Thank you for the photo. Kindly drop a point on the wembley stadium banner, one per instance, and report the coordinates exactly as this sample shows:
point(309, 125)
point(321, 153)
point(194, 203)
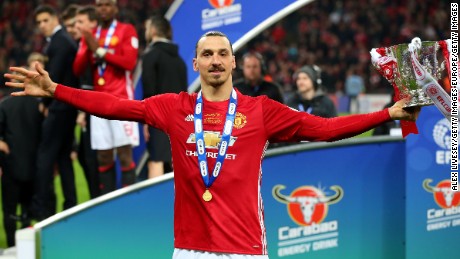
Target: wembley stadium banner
point(239, 20)
point(432, 209)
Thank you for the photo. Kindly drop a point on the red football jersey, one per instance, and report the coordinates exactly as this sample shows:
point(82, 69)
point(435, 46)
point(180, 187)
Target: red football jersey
point(233, 221)
point(121, 60)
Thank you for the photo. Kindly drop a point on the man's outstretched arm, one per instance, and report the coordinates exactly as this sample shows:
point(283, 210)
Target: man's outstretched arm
point(100, 104)
point(284, 124)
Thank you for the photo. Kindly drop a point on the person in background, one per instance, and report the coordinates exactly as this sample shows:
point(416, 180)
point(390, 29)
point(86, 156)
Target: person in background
point(354, 86)
point(68, 20)
point(218, 210)
point(111, 51)
point(59, 123)
point(253, 82)
point(163, 71)
point(86, 20)
point(310, 96)
point(19, 140)
point(36, 57)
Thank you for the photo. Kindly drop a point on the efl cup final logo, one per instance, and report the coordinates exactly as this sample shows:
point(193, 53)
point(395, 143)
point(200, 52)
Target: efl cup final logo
point(220, 3)
point(441, 134)
point(442, 193)
point(307, 205)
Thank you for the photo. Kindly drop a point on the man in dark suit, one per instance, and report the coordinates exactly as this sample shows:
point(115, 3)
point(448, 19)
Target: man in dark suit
point(58, 126)
point(19, 140)
point(163, 71)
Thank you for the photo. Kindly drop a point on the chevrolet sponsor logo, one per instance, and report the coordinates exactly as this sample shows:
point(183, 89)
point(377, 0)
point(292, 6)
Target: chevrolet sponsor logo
point(209, 155)
point(211, 139)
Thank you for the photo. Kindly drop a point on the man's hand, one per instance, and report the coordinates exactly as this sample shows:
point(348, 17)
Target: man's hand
point(4, 147)
point(90, 40)
point(74, 155)
point(398, 112)
point(43, 109)
point(34, 83)
point(81, 120)
point(146, 133)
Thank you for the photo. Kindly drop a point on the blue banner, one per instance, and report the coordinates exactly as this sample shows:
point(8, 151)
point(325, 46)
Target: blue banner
point(433, 212)
point(239, 20)
point(344, 202)
point(137, 224)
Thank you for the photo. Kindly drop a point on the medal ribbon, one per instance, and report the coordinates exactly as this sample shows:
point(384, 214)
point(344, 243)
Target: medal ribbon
point(224, 142)
point(101, 68)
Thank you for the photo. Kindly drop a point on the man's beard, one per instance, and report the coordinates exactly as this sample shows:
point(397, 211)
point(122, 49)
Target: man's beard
point(216, 82)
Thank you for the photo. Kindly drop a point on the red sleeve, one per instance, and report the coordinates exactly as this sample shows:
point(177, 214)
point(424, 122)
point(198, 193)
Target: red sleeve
point(127, 57)
point(81, 59)
point(285, 124)
point(159, 110)
point(102, 104)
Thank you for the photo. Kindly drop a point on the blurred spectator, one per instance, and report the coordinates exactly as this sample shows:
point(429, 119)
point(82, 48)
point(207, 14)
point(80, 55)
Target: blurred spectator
point(86, 20)
point(163, 71)
point(310, 97)
point(111, 51)
point(354, 86)
point(253, 82)
point(69, 21)
point(59, 123)
point(36, 57)
point(19, 140)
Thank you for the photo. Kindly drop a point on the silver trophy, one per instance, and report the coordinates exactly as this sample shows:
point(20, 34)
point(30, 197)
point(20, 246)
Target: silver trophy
point(410, 67)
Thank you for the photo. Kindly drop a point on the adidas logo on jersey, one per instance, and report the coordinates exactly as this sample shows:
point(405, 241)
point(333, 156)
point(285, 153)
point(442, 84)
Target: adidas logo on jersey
point(189, 117)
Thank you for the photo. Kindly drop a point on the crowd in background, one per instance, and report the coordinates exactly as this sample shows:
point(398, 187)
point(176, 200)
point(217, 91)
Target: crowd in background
point(336, 35)
point(28, 193)
point(19, 36)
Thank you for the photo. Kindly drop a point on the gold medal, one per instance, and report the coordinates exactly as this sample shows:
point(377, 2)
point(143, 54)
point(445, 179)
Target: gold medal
point(101, 81)
point(207, 196)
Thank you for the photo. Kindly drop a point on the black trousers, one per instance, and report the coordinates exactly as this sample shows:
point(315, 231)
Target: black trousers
point(55, 148)
point(88, 160)
point(14, 193)
point(159, 146)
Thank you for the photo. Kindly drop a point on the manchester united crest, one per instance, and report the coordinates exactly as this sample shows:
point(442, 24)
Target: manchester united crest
point(240, 120)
